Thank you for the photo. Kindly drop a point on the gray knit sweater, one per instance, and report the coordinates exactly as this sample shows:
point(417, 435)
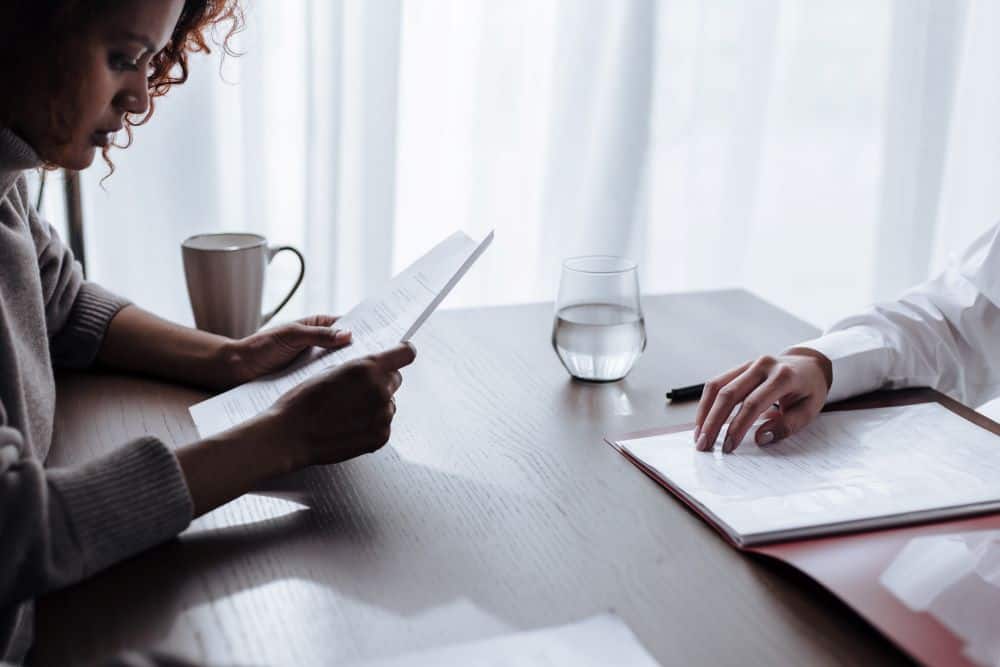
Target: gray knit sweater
point(58, 526)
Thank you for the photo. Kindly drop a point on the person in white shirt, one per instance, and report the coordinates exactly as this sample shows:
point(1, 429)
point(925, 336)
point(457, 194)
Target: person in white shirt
point(943, 334)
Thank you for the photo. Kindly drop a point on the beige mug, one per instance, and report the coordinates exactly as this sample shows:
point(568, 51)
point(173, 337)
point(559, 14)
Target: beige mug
point(225, 281)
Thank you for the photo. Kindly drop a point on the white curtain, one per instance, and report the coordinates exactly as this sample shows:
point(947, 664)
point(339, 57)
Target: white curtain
point(820, 154)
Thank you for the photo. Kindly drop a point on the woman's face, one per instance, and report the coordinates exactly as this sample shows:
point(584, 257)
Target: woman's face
point(114, 67)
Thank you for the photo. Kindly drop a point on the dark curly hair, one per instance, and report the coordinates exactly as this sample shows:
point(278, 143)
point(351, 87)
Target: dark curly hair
point(29, 27)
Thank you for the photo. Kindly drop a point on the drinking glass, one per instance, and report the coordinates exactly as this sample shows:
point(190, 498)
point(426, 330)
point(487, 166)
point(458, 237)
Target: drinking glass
point(599, 331)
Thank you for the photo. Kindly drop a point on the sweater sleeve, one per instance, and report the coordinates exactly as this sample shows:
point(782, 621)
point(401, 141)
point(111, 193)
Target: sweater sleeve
point(77, 312)
point(61, 525)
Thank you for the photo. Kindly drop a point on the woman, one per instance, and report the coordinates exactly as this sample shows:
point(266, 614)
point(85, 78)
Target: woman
point(943, 334)
point(74, 72)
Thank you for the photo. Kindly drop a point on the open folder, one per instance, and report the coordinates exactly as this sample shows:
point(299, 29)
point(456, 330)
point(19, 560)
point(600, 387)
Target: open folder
point(846, 471)
point(377, 324)
point(889, 501)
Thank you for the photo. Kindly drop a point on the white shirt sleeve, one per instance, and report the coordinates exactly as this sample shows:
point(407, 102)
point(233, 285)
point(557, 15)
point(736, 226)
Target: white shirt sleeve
point(943, 334)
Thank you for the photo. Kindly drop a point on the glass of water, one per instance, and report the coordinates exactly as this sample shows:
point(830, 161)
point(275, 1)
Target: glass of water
point(599, 331)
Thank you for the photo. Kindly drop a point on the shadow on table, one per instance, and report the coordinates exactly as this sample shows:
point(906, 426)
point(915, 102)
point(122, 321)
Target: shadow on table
point(596, 401)
point(356, 537)
point(407, 539)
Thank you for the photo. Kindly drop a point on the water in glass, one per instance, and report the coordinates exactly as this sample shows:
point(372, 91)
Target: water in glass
point(599, 331)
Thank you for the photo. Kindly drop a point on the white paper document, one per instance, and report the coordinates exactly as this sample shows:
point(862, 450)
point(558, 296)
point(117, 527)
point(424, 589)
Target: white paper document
point(383, 321)
point(595, 642)
point(845, 471)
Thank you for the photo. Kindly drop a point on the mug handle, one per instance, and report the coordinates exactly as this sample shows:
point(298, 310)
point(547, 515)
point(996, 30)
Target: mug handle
point(271, 252)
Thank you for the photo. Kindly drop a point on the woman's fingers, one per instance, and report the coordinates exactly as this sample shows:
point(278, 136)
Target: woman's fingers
point(315, 330)
point(728, 397)
point(790, 420)
point(797, 382)
point(319, 320)
point(777, 385)
point(332, 338)
point(773, 413)
point(395, 381)
point(396, 357)
point(301, 336)
point(709, 393)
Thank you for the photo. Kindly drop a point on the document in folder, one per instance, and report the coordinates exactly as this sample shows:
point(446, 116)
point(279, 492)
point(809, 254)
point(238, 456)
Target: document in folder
point(388, 318)
point(847, 471)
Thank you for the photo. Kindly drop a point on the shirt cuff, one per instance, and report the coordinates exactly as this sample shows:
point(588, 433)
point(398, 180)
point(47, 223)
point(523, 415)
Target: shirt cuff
point(860, 360)
point(123, 503)
point(78, 342)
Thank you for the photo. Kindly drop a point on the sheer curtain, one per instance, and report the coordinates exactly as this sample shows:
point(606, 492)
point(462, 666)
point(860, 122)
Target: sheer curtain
point(821, 154)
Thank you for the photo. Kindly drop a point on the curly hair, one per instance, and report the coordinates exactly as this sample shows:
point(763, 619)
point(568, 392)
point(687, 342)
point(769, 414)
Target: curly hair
point(170, 66)
point(55, 27)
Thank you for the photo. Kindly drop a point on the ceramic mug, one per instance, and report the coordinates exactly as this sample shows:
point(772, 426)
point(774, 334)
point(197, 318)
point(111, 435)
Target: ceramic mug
point(225, 281)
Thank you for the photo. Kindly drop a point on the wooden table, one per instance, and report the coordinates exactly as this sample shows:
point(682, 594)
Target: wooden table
point(497, 507)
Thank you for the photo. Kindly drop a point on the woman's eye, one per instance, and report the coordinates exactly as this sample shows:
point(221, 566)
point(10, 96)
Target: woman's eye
point(120, 61)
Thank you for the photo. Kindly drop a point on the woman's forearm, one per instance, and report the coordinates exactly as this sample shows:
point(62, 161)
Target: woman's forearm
point(138, 341)
point(224, 467)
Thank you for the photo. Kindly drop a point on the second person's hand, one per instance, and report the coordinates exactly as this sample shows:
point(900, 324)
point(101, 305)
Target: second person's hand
point(788, 391)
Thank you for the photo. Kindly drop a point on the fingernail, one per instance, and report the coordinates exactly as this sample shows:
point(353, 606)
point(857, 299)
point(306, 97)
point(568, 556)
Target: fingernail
point(697, 432)
point(727, 444)
point(766, 437)
point(702, 442)
point(342, 335)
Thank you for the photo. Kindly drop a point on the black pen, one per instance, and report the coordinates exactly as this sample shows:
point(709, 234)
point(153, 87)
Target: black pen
point(692, 393)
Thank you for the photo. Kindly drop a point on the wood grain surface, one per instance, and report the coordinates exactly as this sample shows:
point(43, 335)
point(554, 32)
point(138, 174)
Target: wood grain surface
point(496, 507)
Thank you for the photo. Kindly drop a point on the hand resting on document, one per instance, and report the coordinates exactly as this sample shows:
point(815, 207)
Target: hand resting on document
point(787, 391)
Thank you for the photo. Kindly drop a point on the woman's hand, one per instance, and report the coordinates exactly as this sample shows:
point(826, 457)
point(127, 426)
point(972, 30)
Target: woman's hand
point(343, 413)
point(334, 416)
point(271, 350)
point(788, 391)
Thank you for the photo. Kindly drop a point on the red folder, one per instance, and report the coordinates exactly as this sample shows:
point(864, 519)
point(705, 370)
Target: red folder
point(851, 566)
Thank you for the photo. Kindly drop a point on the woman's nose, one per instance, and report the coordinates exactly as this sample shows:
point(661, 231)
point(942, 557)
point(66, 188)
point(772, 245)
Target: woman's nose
point(134, 99)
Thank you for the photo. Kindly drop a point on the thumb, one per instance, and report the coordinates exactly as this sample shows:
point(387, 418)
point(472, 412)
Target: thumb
point(318, 320)
point(782, 424)
point(299, 336)
point(396, 357)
